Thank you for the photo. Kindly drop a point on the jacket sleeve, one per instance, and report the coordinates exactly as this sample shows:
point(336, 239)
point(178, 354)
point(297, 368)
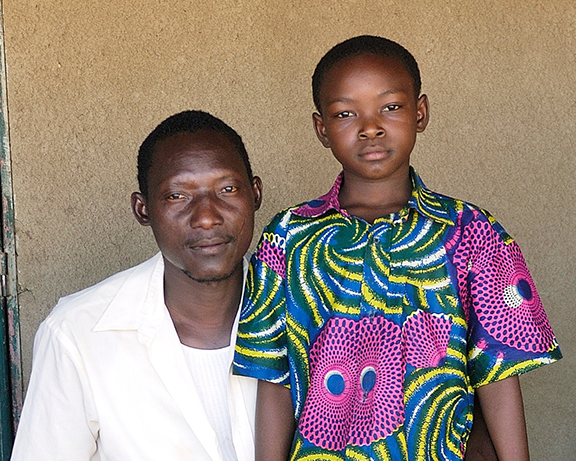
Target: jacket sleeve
point(58, 420)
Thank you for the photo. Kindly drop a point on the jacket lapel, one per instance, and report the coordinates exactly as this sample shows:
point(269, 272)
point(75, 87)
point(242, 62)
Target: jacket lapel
point(143, 292)
point(167, 358)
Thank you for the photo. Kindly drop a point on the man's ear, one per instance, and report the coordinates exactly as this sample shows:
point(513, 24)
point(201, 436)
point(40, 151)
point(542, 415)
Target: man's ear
point(257, 189)
point(140, 208)
point(320, 129)
point(422, 113)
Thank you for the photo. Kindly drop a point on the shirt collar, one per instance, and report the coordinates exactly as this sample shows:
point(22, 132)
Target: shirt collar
point(423, 200)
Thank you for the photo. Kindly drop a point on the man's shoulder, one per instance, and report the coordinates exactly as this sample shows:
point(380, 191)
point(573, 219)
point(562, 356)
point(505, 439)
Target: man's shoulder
point(89, 304)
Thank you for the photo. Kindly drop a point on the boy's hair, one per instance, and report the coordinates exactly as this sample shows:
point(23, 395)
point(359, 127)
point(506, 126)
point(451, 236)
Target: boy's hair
point(189, 121)
point(364, 44)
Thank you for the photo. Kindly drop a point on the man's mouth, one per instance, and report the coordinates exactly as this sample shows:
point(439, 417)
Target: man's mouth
point(208, 244)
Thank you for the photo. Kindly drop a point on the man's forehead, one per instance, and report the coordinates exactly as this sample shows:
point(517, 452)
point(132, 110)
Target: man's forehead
point(201, 142)
point(203, 139)
point(202, 150)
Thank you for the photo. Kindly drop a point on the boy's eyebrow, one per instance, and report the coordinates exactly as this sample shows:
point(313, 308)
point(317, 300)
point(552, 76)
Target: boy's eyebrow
point(345, 99)
point(385, 93)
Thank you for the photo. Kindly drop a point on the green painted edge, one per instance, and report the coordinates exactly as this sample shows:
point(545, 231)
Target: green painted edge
point(11, 314)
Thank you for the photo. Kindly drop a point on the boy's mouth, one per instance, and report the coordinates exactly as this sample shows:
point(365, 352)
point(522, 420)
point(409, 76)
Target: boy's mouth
point(375, 153)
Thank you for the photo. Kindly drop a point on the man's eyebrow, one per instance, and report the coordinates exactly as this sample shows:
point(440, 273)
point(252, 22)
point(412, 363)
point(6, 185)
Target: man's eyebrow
point(184, 181)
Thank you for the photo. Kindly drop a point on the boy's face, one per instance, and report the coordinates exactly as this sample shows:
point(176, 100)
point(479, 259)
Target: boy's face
point(370, 116)
point(200, 205)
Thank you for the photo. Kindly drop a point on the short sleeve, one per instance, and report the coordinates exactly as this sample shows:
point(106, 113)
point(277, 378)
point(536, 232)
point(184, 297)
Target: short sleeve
point(261, 347)
point(509, 332)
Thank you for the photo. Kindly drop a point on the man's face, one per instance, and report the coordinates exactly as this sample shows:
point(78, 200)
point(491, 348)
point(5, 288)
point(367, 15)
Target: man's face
point(200, 205)
point(370, 116)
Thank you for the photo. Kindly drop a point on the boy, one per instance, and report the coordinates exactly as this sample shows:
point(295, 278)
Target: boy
point(383, 305)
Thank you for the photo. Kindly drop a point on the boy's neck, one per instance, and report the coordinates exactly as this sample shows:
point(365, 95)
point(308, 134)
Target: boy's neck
point(370, 200)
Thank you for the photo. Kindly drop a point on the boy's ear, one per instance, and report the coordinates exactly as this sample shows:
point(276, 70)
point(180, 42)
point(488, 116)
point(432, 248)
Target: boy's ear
point(422, 113)
point(140, 209)
point(320, 129)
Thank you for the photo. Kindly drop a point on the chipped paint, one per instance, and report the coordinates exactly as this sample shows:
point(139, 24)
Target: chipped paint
point(10, 353)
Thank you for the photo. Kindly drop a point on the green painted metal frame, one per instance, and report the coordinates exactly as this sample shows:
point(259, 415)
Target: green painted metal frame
point(11, 389)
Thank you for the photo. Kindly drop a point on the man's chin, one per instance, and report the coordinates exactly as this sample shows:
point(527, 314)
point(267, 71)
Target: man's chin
point(211, 278)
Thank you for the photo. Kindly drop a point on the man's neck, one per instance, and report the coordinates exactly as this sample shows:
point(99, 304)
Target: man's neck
point(203, 312)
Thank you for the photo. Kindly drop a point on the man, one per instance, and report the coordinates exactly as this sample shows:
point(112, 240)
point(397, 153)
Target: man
point(137, 367)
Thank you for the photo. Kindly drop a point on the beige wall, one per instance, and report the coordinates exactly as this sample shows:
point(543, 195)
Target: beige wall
point(87, 80)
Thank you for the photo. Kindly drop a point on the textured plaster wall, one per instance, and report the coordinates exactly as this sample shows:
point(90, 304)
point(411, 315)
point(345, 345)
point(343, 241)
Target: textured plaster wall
point(87, 80)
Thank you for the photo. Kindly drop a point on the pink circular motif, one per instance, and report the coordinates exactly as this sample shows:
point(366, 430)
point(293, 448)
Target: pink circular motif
point(503, 294)
point(355, 395)
point(507, 303)
point(426, 339)
point(461, 255)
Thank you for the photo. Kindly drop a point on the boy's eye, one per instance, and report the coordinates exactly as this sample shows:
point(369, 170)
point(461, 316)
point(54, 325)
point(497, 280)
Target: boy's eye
point(344, 114)
point(229, 189)
point(391, 107)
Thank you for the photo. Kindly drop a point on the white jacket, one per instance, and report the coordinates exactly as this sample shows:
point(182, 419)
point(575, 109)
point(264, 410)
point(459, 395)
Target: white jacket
point(110, 382)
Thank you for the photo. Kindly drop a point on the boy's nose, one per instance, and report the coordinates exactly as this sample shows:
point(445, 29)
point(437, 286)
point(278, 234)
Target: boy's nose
point(371, 129)
point(205, 213)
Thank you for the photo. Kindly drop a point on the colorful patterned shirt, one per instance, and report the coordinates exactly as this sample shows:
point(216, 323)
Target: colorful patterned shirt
point(382, 331)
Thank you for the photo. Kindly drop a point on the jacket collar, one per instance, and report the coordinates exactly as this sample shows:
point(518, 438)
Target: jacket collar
point(139, 302)
point(140, 296)
point(423, 200)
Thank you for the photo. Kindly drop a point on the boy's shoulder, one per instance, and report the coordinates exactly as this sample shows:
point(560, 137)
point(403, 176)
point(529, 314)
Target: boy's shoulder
point(281, 220)
point(308, 210)
point(463, 213)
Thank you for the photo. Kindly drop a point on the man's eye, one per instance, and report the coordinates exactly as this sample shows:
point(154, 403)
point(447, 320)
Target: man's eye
point(344, 114)
point(391, 107)
point(175, 196)
point(229, 189)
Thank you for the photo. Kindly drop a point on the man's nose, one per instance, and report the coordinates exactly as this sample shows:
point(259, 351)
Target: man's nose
point(371, 128)
point(206, 212)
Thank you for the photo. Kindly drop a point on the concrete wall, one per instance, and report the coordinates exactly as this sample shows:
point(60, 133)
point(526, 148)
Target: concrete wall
point(87, 80)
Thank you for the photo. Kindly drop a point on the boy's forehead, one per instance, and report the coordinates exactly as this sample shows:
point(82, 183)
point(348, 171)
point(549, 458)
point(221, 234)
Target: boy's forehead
point(361, 66)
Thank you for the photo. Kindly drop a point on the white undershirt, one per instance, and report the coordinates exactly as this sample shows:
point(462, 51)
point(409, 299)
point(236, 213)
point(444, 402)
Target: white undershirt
point(210, 369)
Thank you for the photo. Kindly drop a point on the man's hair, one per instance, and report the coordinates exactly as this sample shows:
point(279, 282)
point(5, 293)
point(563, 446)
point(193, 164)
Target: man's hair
point(189, 121)
point(364, 44)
